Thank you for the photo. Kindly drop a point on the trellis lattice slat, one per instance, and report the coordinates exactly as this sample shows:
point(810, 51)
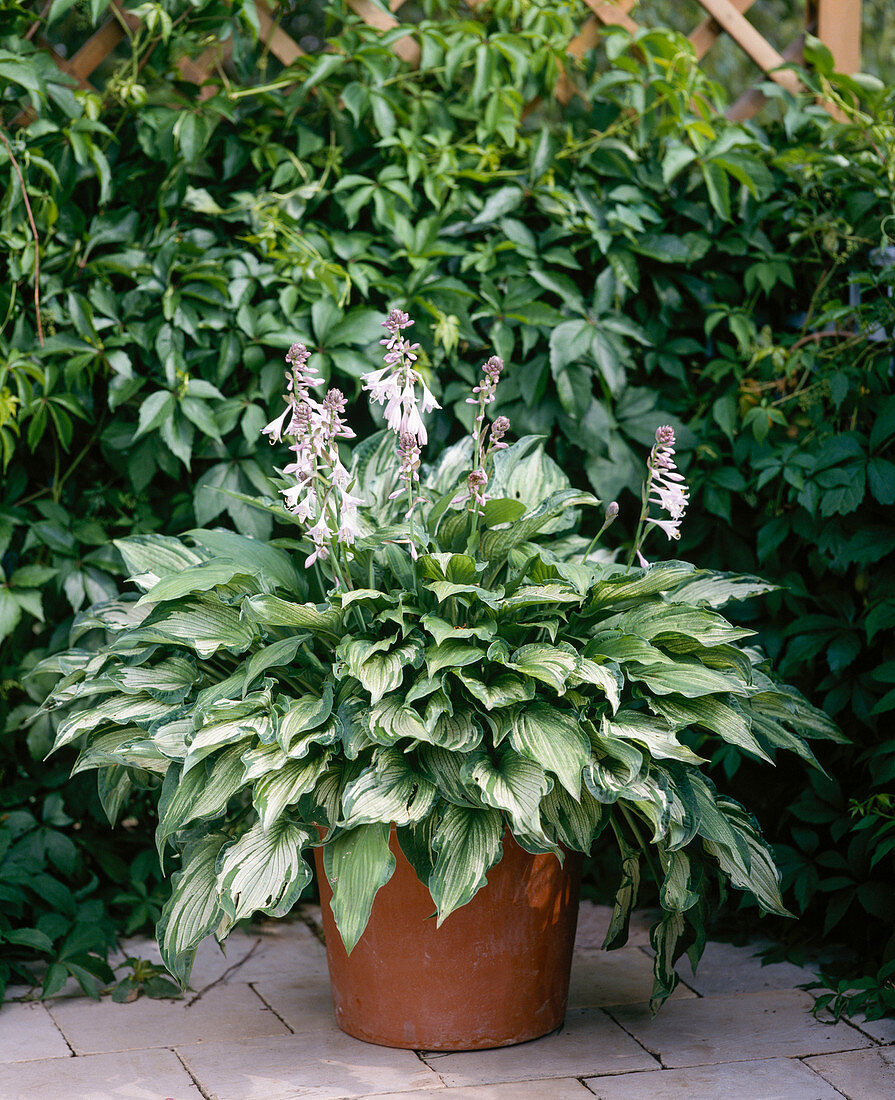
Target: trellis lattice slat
point(838, 24)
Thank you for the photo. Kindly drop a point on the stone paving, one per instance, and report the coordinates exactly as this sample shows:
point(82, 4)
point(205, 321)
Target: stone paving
point(259, 1026)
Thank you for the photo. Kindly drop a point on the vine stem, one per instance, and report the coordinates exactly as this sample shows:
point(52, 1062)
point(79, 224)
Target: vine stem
point(18, 171)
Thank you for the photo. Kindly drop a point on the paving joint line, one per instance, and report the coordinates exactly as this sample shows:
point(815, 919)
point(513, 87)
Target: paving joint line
point(230, 970)
point(46, 1009)
point(818, 1074)
point(190, 1074)
point(270, 1007)
point(642, 1045)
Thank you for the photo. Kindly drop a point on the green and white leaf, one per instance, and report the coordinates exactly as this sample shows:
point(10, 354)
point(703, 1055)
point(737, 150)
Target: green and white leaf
point(193, 909)
point(466, 844)
point(554, 739)
point(358, 863)
point(389, 790)
point(509, 782)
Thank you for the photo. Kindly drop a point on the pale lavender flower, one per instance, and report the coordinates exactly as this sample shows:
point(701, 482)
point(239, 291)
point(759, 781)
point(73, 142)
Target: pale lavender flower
point(476, 483)
point(499, 429)
point(665, 485)
point(394, 385)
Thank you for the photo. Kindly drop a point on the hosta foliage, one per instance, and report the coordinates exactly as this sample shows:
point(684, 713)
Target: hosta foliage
point(494, 683)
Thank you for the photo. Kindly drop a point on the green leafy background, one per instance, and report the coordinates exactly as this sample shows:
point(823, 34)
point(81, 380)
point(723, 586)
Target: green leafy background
point(634, 260)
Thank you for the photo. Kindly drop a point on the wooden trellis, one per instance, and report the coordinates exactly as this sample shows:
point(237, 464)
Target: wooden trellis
point(836, 22)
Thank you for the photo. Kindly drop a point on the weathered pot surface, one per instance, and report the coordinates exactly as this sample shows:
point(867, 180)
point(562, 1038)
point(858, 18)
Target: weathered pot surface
point(495, 973)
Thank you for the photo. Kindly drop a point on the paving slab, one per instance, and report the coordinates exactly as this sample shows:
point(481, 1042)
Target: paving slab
point(132, 1075)
point(624, 976)
point(27, 1032)
point(589, 1043)
point(860, 1074)
point(593, 924)
point(725, 968)
point(304, 1005)
point(232, 1012)
point(881, 1030)
point(561, 1088)
point(743, 1027)
point(773, 1079)
point(321, 1065)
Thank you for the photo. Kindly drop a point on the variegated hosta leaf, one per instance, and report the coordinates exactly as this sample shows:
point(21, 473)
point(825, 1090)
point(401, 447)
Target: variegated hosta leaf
point(716, 589)
point(675, 893)
point(444, 769)
point(277, 654)
point(308, 712)
point(458, 732)
point(536, 595)
point(202, 623)
point(389, 790)
point(721, 657)
point(169, 681)
point(273, 566)
point(634, 585)
point(691, 680)
point(552, 738)
point(550, 664)
point(453, 653)
point(606, 677)
point(327, 795)
point(729, 721)
point(228, 722)
point(171, 734)
point(353, 724)
point(391, 719)
point(558, 507)
point(112, 615)
point(466, 844)
point(612, 645)
point(262, 760)
point(575, 823)
point(381, 673)
point(512, 783)
point(441, 630)
point(782, 703)
point(119, 710)
point(502, 691)
point(128, 746)
point(193, 909)
point(665, 938)
point(263, 871)
point(278, 789)
point(653, 733)
point(203, 792)
point(114, 786)
point(625, 896)
point(653, 617)
point(749, 862)
point(614, 767)
point(203, 577)
point(272, 611)
point(231, 687)
point(459, 568)
point(151, 557)
point(357, 864)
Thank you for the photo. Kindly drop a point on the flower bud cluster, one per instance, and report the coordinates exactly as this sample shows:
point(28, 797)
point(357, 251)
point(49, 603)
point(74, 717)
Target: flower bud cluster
point(484, 443)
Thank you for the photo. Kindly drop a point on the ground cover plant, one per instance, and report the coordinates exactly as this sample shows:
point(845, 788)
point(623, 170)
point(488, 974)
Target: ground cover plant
point(638, 261)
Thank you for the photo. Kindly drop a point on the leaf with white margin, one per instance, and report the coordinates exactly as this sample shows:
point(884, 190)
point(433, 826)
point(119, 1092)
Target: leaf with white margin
point(263, 871)
point(466, 844)
point(193, 909)
point(389, 790)
point(357, 863)
point(512, 783)
point(554, 739)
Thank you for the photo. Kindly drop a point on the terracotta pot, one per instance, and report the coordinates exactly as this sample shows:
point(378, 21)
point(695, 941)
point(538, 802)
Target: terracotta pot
point(494, 974)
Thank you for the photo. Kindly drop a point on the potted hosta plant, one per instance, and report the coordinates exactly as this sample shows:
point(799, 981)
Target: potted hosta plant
point(443, 692)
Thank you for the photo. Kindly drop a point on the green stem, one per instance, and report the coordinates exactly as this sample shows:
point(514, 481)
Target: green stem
point(632, 824)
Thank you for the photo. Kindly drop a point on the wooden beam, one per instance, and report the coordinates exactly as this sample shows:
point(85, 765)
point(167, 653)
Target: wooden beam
point(614, 14)
point(708, 32)
point(839, 28)
point(405, 48)
point(284, 48)
point(748, 38)
point(752, 101)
